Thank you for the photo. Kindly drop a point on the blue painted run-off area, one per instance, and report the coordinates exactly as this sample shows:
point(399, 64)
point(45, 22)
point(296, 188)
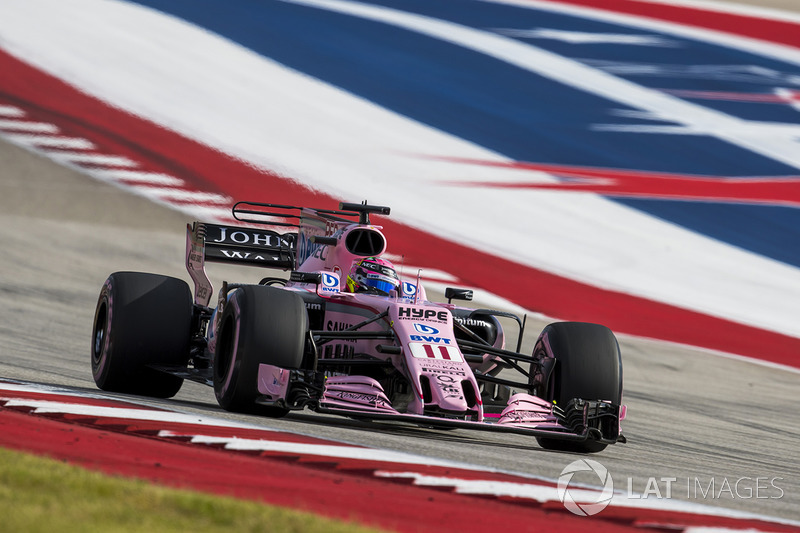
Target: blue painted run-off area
point(528, 117)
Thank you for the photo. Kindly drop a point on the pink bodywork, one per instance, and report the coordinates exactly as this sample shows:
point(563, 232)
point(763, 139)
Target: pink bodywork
point(273, 382)
point(429, 354)
point(356, 392)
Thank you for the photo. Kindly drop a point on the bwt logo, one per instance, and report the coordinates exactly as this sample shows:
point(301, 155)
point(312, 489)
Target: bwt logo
point(426, 329)
point(568, 494)
point(409, 289)
point(429, 338)
point(329, 280)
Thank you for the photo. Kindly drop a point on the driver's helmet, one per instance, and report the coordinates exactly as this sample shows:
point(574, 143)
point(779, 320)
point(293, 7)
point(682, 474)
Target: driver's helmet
point(372, 274)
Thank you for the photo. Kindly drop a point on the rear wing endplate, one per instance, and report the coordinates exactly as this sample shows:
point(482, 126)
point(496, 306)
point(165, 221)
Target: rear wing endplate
point(232, 244)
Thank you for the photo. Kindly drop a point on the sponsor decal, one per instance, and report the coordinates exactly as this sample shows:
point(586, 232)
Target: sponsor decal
point(330, 283)
point(426, 329)
point(471, 321)
point(358, 397)
point(239, 236)
point(409, 289)
point(379, 269)
point(430, 338)
point(305, 247)
point(249, 256)
point(431, 367)
point(421, 313)
point(527, 416)
point(273, 381)
point(338, 326)
point(435, 351)
point(321, 253)
point(450, 386)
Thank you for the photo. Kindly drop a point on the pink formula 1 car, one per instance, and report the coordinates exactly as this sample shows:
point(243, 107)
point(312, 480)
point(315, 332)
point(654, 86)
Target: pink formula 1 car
point(344, 334)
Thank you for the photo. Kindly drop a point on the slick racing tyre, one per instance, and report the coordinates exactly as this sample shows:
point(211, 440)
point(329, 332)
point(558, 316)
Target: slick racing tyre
point(141, 320)
point(259, 324)
point(588, 366)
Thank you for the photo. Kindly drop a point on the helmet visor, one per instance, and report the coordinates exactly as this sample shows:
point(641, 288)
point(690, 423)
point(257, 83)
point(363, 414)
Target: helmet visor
point(379, 284)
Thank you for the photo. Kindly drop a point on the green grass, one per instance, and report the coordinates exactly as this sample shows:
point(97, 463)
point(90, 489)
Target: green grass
point(44, 495)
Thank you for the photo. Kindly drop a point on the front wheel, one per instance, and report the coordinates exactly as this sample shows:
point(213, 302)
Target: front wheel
point(259, 324)
point(141, 320)
point(588, 366)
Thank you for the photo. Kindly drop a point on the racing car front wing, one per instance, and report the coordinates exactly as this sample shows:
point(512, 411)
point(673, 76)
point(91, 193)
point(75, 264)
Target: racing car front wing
point(363, 398)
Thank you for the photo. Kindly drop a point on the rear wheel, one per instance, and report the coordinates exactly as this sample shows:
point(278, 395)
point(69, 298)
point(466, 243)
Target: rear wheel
point(259, 324)
point(141, 319)
point(588, 366)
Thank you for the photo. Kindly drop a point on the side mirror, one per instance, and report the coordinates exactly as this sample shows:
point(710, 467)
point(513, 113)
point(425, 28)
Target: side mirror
point(305, 277)
point(328, 241)
point(457, 294)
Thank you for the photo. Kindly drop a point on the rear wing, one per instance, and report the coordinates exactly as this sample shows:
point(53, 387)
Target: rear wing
point(306, 230)
point(260, 247)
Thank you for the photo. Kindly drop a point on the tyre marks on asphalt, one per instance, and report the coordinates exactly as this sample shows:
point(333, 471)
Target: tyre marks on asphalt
point(105, 430)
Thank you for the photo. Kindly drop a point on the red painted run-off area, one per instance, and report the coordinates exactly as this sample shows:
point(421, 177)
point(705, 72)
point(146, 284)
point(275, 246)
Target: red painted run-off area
point(764, 29)
point(204, 169)
point(344, 488)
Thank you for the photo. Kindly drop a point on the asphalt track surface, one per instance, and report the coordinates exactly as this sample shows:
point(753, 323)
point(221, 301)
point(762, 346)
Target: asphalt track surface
point(693, 415)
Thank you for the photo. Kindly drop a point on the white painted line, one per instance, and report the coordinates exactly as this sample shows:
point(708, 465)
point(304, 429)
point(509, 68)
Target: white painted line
point(11, 111)
point(409, 272)
point(155, 178)
point(351, 452)
point(46, 406)
point(323, 450)
point(109, 412)
point(214, 212)
point(731, 7)
point(93, 159)
point(182, 195)
point(582, 37)
point(211, 214)
point(28, 126)
point(49, 141)
point(540, 493)
point(644, 128)
point(545, 493)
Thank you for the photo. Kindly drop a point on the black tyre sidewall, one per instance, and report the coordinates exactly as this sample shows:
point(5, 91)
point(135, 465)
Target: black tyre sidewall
point(142, 319)
point(588, 366)
point(588, 362)
point(259, 324)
